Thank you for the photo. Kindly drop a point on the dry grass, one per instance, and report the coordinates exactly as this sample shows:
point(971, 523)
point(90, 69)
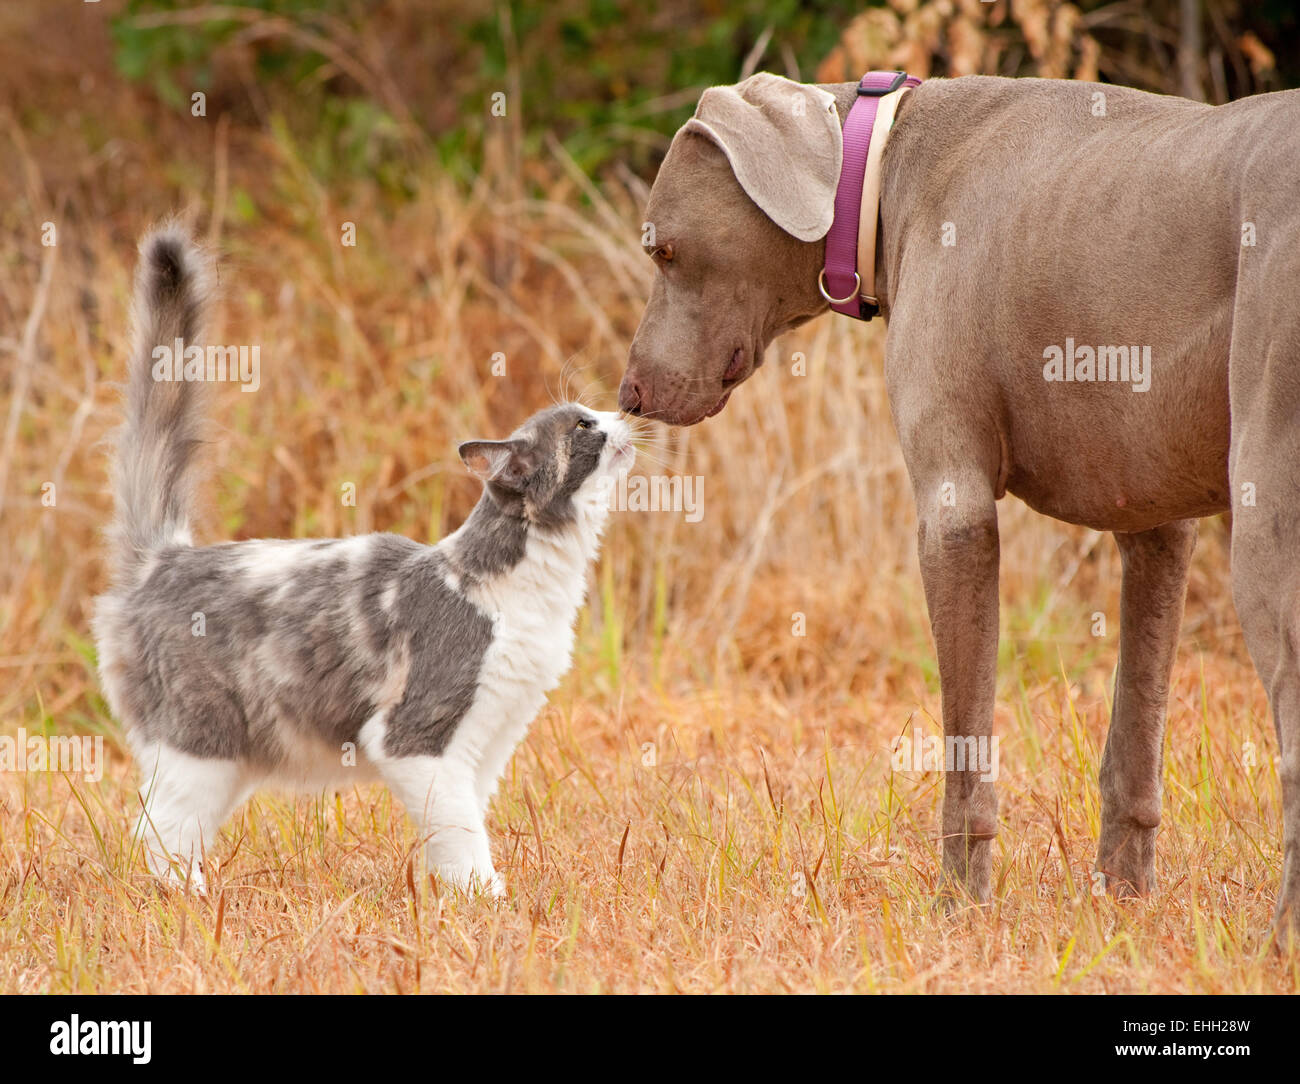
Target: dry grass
point(765, 845)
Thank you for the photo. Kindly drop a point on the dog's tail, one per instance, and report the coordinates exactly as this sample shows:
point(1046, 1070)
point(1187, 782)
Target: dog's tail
point(155, 449)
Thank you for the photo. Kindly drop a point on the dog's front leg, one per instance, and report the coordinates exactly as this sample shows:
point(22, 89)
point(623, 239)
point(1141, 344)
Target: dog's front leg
point(958, 546)
point(1151, 611)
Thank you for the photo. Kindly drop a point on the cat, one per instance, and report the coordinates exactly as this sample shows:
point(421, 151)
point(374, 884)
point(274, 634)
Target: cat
point(267, 661)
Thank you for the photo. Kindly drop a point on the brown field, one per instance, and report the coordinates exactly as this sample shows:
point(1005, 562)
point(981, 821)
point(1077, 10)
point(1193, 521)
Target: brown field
point(708, 803)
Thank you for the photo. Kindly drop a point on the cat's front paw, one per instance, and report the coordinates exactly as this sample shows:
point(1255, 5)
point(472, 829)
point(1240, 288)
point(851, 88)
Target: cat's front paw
point(472, 882)
point(178, 875)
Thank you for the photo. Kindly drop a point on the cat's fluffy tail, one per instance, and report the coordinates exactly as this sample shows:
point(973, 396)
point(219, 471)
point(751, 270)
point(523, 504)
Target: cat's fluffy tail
point(155, 450)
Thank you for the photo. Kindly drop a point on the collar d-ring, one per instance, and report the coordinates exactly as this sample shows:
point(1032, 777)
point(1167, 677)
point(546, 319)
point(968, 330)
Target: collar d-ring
point(821, 286)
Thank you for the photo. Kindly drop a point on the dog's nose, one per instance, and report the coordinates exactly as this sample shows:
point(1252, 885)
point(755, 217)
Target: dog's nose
point(631, 396)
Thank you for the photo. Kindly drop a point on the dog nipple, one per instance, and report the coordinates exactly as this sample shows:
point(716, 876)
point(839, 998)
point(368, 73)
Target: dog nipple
point(1120, 502)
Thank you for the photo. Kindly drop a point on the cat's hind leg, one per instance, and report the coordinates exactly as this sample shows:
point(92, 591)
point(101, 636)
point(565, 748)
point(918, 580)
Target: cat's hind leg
point(185, 800)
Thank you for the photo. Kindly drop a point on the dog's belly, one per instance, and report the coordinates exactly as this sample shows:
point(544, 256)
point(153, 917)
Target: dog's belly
point(1121, 454)
point(1130, 467)
point(1139, 512)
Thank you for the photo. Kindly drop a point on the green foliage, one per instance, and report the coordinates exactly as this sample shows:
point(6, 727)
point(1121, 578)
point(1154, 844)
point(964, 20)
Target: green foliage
point(611, 79)
point(344, 132)
point(592, 70)
point(160, 53)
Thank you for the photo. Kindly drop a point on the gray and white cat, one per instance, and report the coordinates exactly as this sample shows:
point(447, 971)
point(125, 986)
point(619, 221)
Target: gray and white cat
point(431, 661)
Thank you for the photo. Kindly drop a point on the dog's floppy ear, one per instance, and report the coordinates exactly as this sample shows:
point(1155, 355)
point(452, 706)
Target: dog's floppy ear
point(785, 145)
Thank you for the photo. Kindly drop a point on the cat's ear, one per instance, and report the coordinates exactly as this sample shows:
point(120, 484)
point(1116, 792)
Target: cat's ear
point(505, 462)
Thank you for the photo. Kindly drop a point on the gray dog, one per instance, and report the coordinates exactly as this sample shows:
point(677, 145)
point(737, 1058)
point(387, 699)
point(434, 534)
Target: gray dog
point(1019, 218)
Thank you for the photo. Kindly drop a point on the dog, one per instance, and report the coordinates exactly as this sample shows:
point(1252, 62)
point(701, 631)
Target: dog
point(1027, 229)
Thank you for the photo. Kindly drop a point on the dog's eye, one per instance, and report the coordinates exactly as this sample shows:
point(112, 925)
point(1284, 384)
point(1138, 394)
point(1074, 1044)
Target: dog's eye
point(585, 423)
point(665, 253)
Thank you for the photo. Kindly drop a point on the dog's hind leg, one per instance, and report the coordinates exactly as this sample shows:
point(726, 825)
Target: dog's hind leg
point(1266, 591)
point(1264, 468)
point(1151, 611)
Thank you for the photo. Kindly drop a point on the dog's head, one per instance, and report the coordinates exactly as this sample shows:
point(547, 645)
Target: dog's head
point(736, 225)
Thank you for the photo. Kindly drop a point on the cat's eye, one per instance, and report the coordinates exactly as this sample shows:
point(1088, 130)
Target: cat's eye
point(585, 423)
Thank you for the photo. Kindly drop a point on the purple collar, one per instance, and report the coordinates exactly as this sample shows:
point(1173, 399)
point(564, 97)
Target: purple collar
point(840, 282)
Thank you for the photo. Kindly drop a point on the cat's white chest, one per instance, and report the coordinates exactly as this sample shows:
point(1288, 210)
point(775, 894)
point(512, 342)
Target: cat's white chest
point(534, 605)
point(533, 608)
point(532, 629)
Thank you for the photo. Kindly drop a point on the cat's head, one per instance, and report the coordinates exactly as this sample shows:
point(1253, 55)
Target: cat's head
point(560, 460)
